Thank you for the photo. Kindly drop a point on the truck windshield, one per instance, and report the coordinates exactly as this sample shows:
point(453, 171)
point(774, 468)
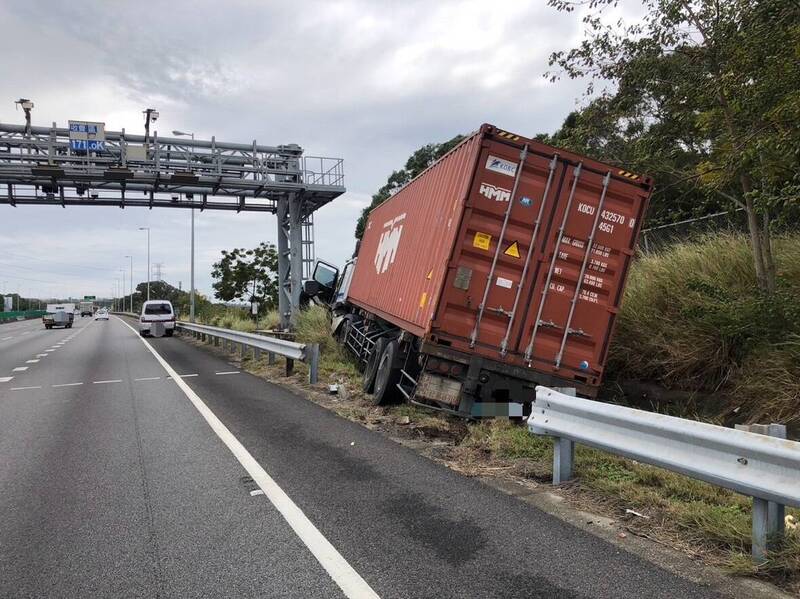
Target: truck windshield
point(158, 309)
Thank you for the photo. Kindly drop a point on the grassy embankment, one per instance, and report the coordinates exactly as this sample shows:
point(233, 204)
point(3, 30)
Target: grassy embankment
point(692, 321)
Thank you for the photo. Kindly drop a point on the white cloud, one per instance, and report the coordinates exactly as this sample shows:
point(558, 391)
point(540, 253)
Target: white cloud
point(366, 81)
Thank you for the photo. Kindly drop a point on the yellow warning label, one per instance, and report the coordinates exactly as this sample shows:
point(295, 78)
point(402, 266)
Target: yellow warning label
point(430, 275)
point(423, 298)
point(482, 241)
point(512, 250)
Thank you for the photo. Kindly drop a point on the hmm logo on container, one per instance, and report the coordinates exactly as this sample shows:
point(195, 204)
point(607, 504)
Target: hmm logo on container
point(498, 165)
point(498, 194)
point(387, 246)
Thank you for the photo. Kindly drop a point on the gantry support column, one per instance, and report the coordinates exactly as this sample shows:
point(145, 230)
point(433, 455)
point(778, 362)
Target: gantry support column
point(284, 266)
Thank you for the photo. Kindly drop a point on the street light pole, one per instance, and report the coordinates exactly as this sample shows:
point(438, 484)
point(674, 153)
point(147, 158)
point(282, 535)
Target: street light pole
point(148, 259)
point(130, 302)
point(122, 270)
point(191, 278)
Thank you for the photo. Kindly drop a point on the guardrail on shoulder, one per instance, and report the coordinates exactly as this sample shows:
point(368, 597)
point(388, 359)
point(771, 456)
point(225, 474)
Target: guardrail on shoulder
point(304, 352)
point(764, 467)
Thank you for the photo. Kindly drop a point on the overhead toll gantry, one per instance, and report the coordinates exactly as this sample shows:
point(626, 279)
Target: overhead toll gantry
point(84, 165)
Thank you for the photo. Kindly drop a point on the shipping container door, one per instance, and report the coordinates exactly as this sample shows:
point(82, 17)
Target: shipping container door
point(486, 269)
point(576, 293)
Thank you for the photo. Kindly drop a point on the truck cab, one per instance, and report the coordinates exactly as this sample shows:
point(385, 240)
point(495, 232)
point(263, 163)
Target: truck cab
point(329, 286)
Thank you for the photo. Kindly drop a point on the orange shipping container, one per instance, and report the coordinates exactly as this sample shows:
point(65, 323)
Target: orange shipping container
point(508, 249)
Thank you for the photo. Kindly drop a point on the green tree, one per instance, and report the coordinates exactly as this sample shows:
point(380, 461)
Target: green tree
point(248, 275)
point(705, 92)
point(416, 163)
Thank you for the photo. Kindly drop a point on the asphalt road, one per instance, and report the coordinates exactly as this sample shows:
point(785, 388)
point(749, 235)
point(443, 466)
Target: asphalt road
point(118, 481)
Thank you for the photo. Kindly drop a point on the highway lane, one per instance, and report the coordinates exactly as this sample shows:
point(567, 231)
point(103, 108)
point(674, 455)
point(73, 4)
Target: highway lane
point(29, 340)
point(116, 486)
point(118, 489)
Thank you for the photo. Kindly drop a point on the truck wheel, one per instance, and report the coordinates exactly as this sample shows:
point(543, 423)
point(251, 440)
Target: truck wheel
point(387, 376)
point(343, 331)
point(372, 365)
point(69, 326)
point(168, 332)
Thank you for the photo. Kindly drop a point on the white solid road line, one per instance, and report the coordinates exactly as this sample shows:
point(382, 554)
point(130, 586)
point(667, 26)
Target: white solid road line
point(5, 379)
point(342, 573)
point(103, 382)
point(67, 385)
point(228, 372)
point(19, 369)
point(23, 388)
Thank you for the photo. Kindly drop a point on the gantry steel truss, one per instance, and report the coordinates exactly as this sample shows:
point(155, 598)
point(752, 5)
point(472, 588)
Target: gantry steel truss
point(38, 167)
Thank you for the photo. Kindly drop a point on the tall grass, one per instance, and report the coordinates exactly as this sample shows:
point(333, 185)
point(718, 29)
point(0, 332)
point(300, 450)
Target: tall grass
point(694, 319)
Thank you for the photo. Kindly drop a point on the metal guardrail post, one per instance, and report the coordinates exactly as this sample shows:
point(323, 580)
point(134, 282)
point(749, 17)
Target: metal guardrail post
point(768, 516)
point(563, 459)
point(312, 357)
point(257, 354)
point(289, 366)
point(271, 359)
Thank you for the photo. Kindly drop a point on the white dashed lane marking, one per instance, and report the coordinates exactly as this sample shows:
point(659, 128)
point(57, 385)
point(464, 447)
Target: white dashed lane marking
point(149, 378)
point(24, 388)
point(5, 379)
point(6, 338)
point(19, 369)
point(68, 385)
point(228, 372)
point(41, 355)
point(104, 382)
point(31, 361)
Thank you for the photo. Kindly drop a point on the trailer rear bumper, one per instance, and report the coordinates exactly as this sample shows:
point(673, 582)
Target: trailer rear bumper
point(488, 387)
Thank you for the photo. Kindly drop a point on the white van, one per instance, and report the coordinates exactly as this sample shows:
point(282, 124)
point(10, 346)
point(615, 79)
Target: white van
point(157, 318)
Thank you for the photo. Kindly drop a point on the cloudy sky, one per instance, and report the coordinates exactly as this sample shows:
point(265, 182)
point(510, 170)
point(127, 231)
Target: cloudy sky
point(366, 81)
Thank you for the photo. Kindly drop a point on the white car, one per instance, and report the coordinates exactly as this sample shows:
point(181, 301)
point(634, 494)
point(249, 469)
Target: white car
point(101, 314)
point(156, 314)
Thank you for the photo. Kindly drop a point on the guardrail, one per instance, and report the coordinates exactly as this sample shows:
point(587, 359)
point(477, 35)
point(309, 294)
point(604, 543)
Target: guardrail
point(304, 352)
point(764, 467)
point(20, 315)
point(229, 339)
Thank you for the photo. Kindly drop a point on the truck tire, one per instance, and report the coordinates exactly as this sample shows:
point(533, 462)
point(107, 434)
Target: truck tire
point(343, 331)
point(372, 365)
point(168, 332)
point(387, 376)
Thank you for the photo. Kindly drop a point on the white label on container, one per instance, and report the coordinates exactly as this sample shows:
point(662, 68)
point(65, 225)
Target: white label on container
point(498, 165)
point(501, 282)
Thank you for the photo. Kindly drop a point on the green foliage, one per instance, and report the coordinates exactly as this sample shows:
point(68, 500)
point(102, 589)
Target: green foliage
point(248, 275)
point(416, 163)
point(704, 96)
point(693, 318)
